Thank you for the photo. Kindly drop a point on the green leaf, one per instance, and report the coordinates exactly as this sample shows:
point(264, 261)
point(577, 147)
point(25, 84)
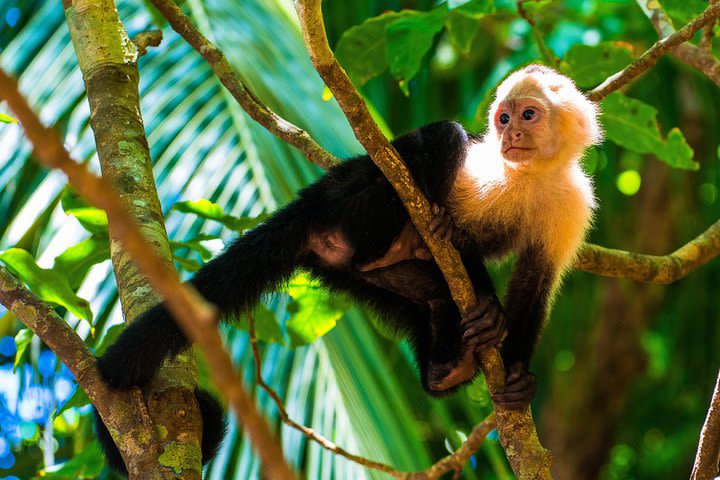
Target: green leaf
point(684, 10)
point(534, 7)
point(92, 219)
point(22, 340)
point(463, 21)
point(86, 464)
point(313, 311)
point(109, 338)
point(5, 118)
point(50, 285)
point(362, 49)
point(195, 244)
point(75, 262)
point(212, 211)
point(188, 264)
point(408, 40)
point(633, 124)
point(590, 65)
point(267, 327)
point(78, 399)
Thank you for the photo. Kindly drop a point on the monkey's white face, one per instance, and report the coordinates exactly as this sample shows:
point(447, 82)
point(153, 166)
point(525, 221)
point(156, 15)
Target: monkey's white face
point(523, 130)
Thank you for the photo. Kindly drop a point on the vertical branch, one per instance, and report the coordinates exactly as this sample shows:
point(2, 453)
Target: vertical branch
point(527, 456)
point(708, 453)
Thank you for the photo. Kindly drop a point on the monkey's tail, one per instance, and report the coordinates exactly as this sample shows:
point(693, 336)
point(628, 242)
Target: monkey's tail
point(256, 262)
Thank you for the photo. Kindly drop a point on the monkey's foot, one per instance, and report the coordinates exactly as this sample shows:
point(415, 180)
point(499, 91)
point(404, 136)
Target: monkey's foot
point(443, 377)
point(519, 390)
point(484, 326)
point(441, 225)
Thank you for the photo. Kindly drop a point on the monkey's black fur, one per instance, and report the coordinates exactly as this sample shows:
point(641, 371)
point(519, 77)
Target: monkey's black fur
point(355, 199)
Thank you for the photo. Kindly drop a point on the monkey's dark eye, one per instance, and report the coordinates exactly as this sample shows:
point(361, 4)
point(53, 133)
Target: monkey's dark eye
point(529, 113)
point(504, 118)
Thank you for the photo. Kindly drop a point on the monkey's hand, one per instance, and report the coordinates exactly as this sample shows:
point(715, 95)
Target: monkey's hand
point(484, 326)
point(441, 225)
point(519, 390)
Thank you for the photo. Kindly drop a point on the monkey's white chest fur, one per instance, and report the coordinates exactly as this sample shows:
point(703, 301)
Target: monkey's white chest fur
point(550, 208)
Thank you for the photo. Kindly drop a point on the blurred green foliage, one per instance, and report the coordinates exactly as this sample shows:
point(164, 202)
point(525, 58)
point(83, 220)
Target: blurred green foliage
point(657, 178)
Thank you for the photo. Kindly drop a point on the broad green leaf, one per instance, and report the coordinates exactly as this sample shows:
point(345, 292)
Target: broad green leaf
point(188, 264)
point(86, 464)
point(267, 327)
point(590, 65)
point(92, 219)
point(75, 262)
point(5, 118)
point(633, 124)
point(50, 285)
point(109, 338)
point(195, 244)
point(78, 399)
point(212, 211)
point(408, 40)
point(362, 49)
point(463, 21)
point(22, 341)
point(684, 10)
point(313, 311)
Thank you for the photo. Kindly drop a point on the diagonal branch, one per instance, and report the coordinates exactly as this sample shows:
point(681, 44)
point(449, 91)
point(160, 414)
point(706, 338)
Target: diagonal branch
point(650, 57)
point(454, 462)
point(195, 316)
point(651, 268)
point(517, 431)
point(137, 443)
point(708, 453)
point(277, 125)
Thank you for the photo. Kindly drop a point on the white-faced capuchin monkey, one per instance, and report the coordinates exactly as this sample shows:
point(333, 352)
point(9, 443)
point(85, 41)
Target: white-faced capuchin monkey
point(517, 189)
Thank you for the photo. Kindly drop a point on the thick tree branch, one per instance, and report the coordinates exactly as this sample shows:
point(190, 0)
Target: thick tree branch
point(651, 268)
point(454, 462)
point(194, 315)
point(708, 453)
point(133, 428)
point(277, 125)
point(650, 57)
point(528, 458)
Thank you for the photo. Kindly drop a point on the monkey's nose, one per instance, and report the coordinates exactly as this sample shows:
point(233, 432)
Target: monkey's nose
point(517, 135)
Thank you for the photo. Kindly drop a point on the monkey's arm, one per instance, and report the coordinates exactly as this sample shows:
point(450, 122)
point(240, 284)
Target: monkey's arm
point(527, 300)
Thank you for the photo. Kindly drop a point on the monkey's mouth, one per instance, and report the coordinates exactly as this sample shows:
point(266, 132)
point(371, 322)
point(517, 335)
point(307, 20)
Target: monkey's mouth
point(516, 154)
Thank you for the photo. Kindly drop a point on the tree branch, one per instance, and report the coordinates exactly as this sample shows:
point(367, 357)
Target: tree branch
point(708, 453)
point(651, 268)
point(143, 40)
point(133, 429)
point(650, 57)
point(455, 461)
point(277, 125)
point(194, 315)
point(699, 57)
point(527, 457)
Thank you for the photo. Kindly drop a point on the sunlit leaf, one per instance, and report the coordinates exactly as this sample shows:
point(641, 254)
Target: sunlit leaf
point(590, 65)
point(76, 261)
point(86, 464)
point(22, 341)
point(463, 21)
point(50, 285)
point(78, 399)
point(633, 124)
point(195, 244)
point(313, 311)
point(5, 118)
point(109, 338)
point(267, 327)
point(212, 211)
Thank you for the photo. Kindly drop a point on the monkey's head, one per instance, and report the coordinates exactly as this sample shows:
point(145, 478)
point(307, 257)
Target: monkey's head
point(540, 119)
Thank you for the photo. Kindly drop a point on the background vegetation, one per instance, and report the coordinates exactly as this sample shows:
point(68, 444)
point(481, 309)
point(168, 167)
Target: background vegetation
point(626, 370)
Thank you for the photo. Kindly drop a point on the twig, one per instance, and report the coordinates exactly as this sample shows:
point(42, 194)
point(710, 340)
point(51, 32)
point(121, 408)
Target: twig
point(650, 57)
point(277, 125)
point(138, 445)
point(708, 453)
point(195, 316)
point(651, 268)
point(545, 51)
point(700, 57)
point(455, 461)
point(517, 431)
point(143, 40)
